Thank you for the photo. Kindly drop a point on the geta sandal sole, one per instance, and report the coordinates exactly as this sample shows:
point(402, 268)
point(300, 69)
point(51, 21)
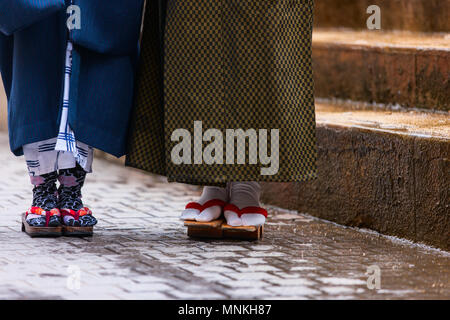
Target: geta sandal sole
point(218, 229)
point(70, 231)
point(35, 232)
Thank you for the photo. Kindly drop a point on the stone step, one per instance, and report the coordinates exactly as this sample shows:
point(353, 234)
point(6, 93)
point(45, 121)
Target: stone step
point(397, 68)
point(384, 170)
point(407, 15)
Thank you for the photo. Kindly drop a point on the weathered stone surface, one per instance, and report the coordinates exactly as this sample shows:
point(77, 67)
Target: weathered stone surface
point(433, 79)
point(401, 121)
point(432, 186)
point(390, 69)
point(395, 181)
point(410, 15)
point(283, 194)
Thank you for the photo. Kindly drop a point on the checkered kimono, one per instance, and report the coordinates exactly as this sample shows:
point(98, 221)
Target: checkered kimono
point(230, 64)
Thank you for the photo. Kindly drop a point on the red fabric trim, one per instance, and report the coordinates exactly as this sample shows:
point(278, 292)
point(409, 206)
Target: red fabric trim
point(47, 218)
point(76, 215)
point(240, 212)
point(194, 205)
point(208, 204)
point(69, 212)
point(40, 211)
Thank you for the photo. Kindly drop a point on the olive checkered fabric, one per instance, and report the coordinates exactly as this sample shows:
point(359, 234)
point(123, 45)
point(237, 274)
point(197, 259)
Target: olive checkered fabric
point(231, 64)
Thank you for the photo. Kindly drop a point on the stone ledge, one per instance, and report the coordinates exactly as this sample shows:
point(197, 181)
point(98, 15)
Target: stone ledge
point(393, 181)
point(390, 68)
point(409, 15)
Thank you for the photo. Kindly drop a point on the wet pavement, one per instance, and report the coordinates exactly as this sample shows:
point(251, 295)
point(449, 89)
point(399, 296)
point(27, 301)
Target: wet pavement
point(141, 251)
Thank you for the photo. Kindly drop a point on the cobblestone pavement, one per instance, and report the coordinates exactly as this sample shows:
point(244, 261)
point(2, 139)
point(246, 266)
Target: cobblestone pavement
point(141, 251)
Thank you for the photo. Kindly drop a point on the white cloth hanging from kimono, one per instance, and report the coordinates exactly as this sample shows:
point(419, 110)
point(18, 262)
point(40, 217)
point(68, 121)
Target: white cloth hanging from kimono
point(64, 151)
point(66, 138)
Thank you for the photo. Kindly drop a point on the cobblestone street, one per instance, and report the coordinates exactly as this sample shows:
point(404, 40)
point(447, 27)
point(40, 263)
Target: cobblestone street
point(140, 251)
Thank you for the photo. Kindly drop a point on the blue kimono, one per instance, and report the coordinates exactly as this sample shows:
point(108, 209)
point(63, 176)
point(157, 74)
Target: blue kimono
point(33, 38)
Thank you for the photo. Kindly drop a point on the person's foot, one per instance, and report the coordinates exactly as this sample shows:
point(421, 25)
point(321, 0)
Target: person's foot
point(244, 208)
point(37, 217)
point(75, 214)
point(43, 211)
point(81, 218)
point(209, 207)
